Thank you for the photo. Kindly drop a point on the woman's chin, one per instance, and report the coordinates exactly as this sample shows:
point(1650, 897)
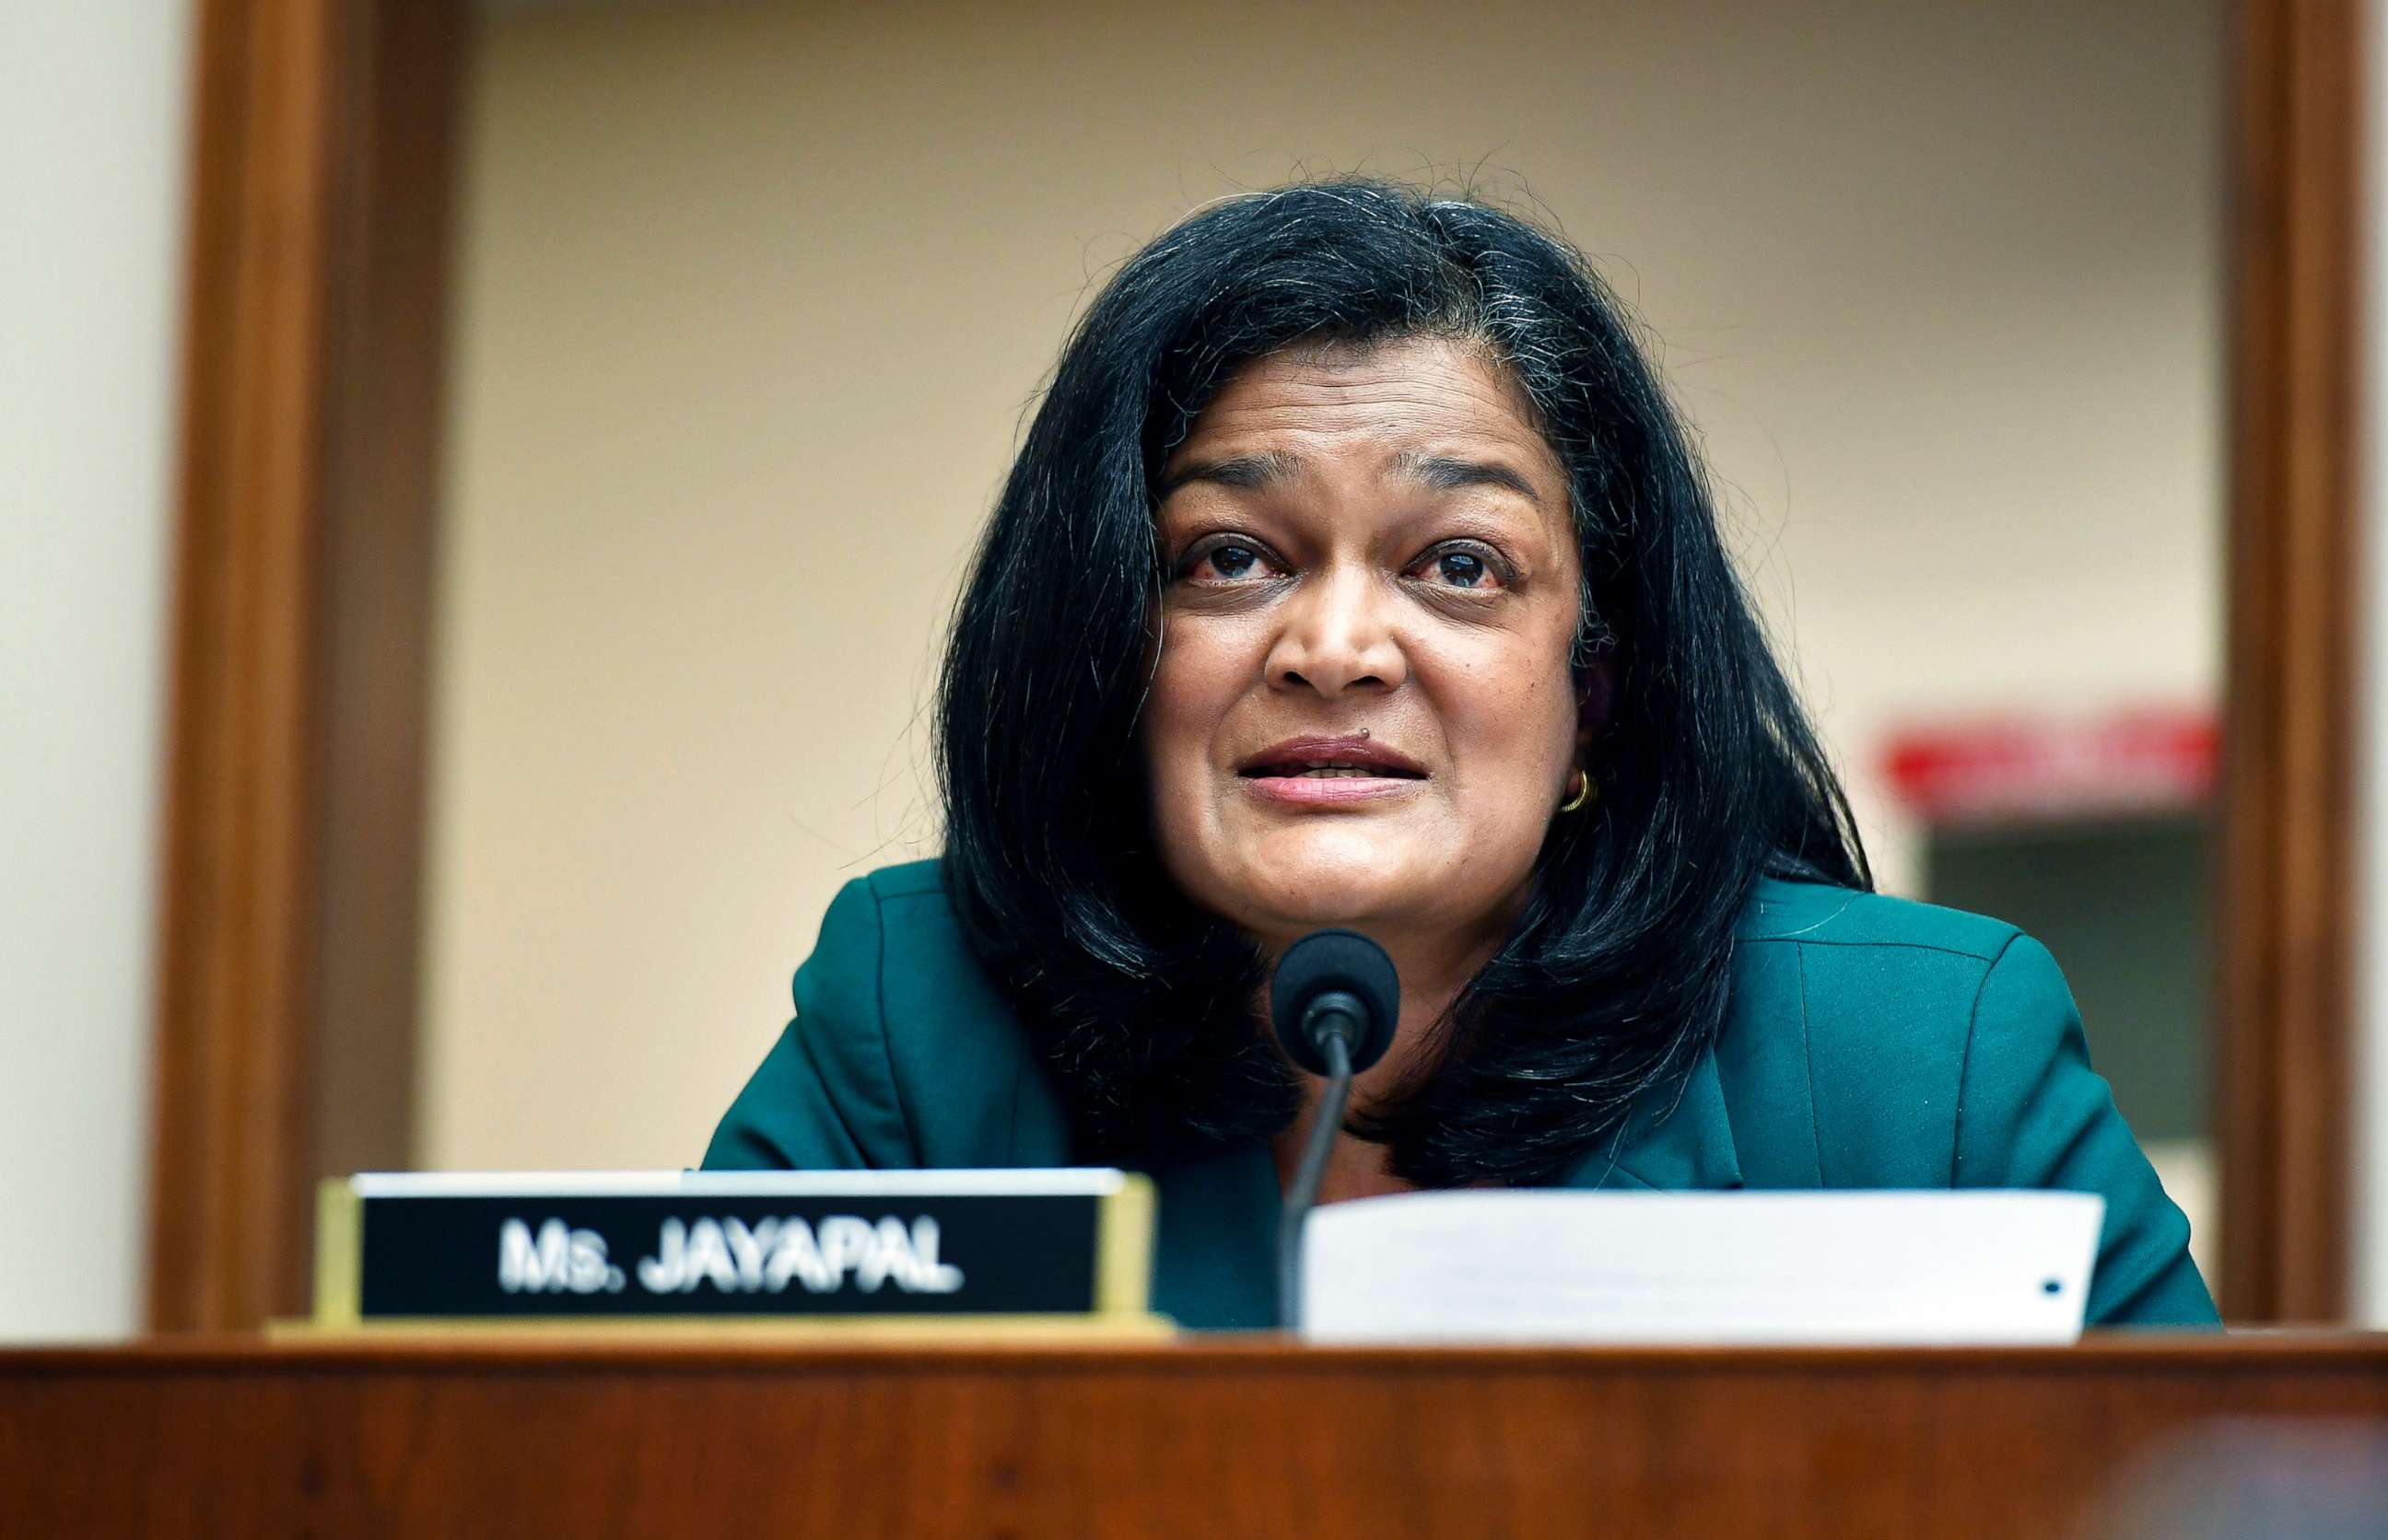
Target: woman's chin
point(1371, 876)
point(1308, 896)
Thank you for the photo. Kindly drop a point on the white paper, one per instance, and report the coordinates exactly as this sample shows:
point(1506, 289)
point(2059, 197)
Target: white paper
point(1743, 1268)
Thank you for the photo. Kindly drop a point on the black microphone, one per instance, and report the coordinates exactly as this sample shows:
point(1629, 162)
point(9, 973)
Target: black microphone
point(1333, 1001)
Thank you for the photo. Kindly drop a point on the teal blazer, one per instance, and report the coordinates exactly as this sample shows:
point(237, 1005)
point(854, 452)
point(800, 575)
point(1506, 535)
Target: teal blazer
point(1870, 1042)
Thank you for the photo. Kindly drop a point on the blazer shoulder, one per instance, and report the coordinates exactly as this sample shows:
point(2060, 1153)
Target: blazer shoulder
point(903, 1044)
point(1848, 1031)
point(1816, 914)
point(911, 879)
point(910, 933)
point(1875, 1041)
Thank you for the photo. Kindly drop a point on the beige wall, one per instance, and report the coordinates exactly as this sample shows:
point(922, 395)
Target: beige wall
point(751, 300)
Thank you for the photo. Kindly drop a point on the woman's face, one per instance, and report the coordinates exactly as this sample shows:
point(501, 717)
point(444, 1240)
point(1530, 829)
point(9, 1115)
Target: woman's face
point(1363, 712)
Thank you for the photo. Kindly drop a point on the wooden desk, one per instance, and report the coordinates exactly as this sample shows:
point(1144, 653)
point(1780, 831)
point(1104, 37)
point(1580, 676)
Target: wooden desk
point(1220, 1437)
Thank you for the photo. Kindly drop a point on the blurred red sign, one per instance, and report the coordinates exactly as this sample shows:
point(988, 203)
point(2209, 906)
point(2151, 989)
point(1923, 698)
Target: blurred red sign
point(2142, 760)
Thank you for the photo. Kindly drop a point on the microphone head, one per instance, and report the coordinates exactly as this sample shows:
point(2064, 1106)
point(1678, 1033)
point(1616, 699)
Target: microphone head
point(1327, 962)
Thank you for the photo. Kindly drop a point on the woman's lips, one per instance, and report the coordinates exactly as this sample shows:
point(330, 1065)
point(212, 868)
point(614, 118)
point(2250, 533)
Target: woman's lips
point(1329, 772)
point(1328, 790)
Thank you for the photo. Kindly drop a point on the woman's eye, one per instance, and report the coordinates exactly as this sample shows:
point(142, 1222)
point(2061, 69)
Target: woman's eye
point(1225, 562)
point(1457, 569)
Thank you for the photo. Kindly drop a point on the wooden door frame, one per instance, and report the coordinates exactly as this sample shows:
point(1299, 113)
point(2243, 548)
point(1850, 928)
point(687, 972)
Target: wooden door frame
point(312, 384)
point(2288, 879)
point(314, 303)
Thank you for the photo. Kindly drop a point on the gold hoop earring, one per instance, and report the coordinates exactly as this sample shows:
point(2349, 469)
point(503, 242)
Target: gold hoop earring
point(1587, 790)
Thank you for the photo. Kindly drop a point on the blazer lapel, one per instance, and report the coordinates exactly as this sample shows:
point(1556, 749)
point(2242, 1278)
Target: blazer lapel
point(1685, 1147)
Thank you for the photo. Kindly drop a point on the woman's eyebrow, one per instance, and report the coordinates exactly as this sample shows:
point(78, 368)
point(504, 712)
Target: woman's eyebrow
point(1244, 473)
point(1448, 473)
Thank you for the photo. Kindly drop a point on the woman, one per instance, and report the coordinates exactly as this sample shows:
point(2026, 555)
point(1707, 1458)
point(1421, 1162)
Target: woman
point(1356, 572)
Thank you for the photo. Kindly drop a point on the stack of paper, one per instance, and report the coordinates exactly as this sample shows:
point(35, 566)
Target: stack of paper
point(1971, 1266)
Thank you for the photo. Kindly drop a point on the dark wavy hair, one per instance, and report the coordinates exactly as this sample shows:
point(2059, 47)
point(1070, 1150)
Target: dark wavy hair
point(1614, 978)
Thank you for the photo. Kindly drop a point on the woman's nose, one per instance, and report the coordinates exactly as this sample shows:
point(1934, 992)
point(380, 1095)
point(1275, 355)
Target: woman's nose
point(1337, 636)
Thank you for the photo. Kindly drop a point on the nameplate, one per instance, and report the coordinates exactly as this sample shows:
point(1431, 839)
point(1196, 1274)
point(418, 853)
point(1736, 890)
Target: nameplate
point(502, 1247)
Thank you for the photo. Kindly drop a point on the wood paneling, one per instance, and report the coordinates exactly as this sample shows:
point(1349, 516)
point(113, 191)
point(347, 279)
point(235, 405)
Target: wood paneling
point(242, 785)
point(1230, 1438)
point(2287, 882)
point(311, 392)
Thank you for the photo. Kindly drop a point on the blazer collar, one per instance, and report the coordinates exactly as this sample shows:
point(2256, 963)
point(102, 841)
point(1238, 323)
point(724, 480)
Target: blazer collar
point(1686, 1146)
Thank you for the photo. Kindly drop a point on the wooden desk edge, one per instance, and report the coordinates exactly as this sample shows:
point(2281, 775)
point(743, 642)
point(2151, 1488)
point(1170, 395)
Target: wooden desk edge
point(753, 1349)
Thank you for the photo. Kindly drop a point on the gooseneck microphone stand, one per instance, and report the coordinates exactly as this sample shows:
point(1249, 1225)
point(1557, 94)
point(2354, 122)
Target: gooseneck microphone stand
point(1303, 1193)
point(1333, 1001)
